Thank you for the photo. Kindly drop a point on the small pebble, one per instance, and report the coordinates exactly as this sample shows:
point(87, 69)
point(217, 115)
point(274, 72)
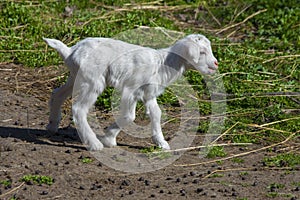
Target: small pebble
point(178, 180)
point(254, 183)
point(68, 151)
point(147, 182)
point(81, 187)
point(214, 195)
point(192, 173)
point(152, 195)
point(161, 191)
point(141, 179)
point(131, 192)
point(195, 181)
point(183, 192)
point(125, 183)
point(94, 187)
point(44, 193)
point(199, 190)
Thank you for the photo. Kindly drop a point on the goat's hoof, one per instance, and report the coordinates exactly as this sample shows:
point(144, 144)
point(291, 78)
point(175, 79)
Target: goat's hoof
point(51, 128)
point(108, 141)
point(164, 145)
point(95, 146)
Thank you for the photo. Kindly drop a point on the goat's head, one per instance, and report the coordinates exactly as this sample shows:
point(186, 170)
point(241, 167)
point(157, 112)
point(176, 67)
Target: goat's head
point(196, 50)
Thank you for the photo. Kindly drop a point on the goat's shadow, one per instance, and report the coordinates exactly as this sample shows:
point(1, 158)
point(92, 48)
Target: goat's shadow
point(66, 137)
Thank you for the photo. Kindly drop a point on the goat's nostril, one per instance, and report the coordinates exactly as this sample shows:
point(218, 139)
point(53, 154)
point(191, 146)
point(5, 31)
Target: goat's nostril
point(216, 63)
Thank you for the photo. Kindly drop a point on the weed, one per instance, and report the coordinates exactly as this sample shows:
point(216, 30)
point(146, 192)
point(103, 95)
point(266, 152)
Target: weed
point(216, 152)
point(244, 173)
point(216, 175)
point(155, 152)
point(273, 194)
point(283, 160)
point(237, 160)
point(86, 160)
point(6, 183)
point(37, 179)
point(276, 186)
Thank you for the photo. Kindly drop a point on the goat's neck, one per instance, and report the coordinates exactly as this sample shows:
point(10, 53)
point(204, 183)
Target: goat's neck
point(173, 66)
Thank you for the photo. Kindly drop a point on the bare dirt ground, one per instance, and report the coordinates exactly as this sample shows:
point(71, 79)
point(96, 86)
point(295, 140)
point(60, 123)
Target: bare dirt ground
point(27, 149)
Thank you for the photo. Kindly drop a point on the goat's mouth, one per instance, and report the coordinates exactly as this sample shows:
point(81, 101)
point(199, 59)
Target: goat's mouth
point(212, 69)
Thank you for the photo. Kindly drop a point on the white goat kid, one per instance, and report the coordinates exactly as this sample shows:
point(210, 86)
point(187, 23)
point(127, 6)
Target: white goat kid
point(140, 73)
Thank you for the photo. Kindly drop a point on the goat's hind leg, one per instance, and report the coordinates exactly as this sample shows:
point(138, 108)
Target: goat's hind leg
point(59, 95)
point(84, 100)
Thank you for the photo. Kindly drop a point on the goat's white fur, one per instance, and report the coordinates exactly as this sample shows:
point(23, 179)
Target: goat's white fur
point(140, 73)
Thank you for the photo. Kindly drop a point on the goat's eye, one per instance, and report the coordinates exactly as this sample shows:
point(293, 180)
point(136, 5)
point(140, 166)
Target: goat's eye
point(197, 39)
point(202, 53)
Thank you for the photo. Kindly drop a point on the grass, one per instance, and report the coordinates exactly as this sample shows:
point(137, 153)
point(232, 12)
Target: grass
point(283, 160)
point(216, 152)
point(86, 160)
point(6, 183)
point(37, 179)
point(256, 42)
point(154, 152)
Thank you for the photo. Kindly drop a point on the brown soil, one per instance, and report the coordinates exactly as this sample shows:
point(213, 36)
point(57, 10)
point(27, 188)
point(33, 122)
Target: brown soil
point(27, 149)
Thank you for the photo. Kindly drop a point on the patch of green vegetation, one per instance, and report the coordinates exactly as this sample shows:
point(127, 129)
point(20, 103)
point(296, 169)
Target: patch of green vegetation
point(86, 160)
point(276, 186)
point(237, 160)
point(216, 175)
point(296, 184)
point(216, 151)
point(6, 183)
point(283, 160)
point(273, 194)
point(155, 152)
point(277, 194)
point(244, 173)
point(37, 179)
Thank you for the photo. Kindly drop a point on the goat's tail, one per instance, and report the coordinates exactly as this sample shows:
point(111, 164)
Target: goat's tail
point(62, 49)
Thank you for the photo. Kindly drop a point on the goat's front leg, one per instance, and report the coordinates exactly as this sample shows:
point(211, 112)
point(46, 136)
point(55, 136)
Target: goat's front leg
point(155, 116)
point(58, 97)
point(127, 116)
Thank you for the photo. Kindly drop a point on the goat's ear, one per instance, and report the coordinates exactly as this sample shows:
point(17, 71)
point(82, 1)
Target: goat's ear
point(192, 52)
point(188, 50)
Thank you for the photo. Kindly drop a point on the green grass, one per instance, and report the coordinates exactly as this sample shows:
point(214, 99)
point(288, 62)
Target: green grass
point(86, 160)
point(258, 54)
point(216, 152)
point(155, 152)
point(37, 179)
point(283, 160)
point(5, 183)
